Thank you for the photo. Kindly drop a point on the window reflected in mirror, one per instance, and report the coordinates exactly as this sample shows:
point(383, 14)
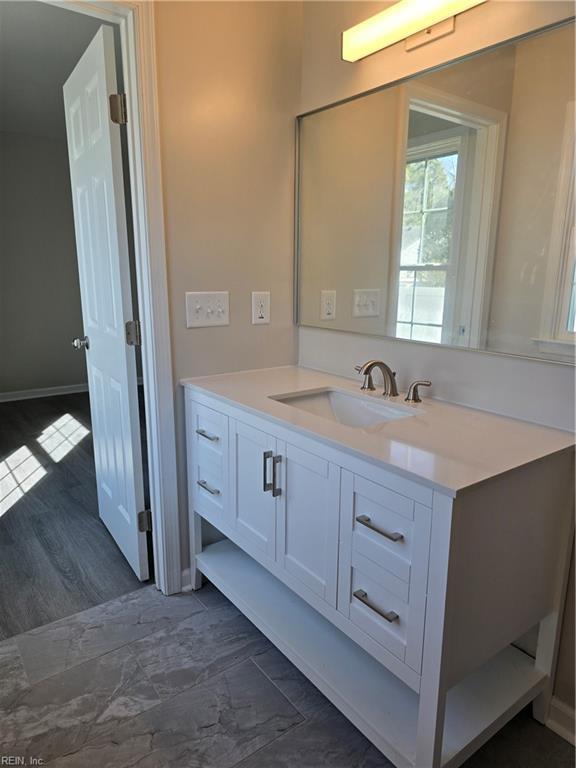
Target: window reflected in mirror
point(441, 210)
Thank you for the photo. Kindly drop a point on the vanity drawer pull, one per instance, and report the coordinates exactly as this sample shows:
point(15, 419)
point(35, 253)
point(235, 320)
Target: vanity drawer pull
point(266, 486)
point(275, 490)
point(203, 484)
point(207, 435)
point(365, 520)
point(363, 597)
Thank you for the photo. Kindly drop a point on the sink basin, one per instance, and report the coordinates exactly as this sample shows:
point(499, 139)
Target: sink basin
point(344, 408)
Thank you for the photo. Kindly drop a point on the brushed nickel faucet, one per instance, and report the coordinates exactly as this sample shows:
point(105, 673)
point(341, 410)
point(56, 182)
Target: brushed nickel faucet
point(389, 376)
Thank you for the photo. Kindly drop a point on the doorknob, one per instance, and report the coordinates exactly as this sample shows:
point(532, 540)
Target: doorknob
point(81, 343)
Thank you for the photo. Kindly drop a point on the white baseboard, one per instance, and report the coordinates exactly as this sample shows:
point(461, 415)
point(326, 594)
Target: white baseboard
point(29, 394)
point(561, 720)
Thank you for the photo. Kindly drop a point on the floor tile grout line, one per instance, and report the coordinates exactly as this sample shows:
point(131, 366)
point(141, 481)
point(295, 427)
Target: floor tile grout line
point(290, 730)
point(253, 659)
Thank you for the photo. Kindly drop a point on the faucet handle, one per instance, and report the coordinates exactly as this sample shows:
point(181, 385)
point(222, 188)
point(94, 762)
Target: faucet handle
point(367, 384)
point(413, 395)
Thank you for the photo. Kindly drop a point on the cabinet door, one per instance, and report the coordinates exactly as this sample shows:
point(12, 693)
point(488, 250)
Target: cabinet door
point(253, 509)
point(308, 520)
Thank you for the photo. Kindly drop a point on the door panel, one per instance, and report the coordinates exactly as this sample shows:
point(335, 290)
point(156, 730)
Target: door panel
point(103, 260)
point(308, 520)
point(253, 509)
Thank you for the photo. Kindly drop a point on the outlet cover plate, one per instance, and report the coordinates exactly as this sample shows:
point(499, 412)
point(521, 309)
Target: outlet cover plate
point(206, 308)
point(260, 307)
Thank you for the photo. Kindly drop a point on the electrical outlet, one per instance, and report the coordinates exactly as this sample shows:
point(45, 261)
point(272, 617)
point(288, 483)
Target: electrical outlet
point(366, 302)
point(204, 309)
point(260, 307)
point(327, 305)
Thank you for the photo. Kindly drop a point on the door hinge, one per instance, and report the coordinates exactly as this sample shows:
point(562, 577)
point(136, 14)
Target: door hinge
point(118, 109)
point(145, 520)
point(133, 333)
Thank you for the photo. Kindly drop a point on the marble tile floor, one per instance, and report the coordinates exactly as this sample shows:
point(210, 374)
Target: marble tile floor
point(187, 681)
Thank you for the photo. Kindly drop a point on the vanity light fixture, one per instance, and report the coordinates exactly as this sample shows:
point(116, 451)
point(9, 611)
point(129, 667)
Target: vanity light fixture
point(403, 19)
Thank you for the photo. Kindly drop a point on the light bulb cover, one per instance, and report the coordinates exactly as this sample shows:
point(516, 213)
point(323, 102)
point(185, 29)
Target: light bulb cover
point(398, 22)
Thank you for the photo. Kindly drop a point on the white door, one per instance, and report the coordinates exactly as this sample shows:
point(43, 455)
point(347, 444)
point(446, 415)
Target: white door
point(308, 520)
point(95, 158)
point(253, 505)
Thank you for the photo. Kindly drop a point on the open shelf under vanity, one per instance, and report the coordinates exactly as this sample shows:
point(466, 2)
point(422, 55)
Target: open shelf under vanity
point(375, 700)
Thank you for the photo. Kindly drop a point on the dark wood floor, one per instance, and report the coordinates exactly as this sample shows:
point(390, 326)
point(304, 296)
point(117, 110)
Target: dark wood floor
point(56, 556)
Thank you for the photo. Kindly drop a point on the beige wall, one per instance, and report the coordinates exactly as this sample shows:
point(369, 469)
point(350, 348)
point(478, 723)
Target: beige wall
point(543, 86)
point(40, 311)
point(348, 157)
point(326, 79)
point(228, 81)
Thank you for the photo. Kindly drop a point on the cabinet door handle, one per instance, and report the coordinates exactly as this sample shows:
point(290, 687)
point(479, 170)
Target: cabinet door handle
point(266, 486)
point(207, 435)
point(275, 490)
point(390, 616)
point(203, 484)
point(365, 520)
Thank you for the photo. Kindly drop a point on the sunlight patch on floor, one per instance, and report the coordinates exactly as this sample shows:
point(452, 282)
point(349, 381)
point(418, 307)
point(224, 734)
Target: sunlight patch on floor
point(18, 473)
point(62, 436)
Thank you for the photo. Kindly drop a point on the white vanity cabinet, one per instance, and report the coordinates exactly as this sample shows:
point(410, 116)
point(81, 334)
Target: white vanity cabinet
point(398, 598)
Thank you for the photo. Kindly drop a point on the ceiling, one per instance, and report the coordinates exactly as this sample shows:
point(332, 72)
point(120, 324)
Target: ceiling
point(39, 47)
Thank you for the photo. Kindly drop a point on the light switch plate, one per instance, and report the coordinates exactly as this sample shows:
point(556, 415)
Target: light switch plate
point(327, 305)
point(207, 308)
point(260, 307)
point(366, 302)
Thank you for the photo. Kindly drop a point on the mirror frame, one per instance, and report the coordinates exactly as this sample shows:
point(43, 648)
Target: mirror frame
point(378, 89)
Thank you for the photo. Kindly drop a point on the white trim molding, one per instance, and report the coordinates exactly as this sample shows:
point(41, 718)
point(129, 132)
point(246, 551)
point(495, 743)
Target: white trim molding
point(32, 394)
point(136, 24)
point(480, 175)
point(561, 720)
point(561, 256)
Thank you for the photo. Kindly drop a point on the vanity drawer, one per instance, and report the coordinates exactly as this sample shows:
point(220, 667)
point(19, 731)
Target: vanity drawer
point(384, 608)
point(207, 460)
point(208, 489)
point(390, 529)
point(380, 533)
point(207, 429)
point(379, 612)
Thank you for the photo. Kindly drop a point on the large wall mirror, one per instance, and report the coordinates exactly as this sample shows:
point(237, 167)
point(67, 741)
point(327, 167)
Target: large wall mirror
point(441, 209)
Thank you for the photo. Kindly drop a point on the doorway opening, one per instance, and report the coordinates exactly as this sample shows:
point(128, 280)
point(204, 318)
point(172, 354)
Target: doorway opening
point(60, 451)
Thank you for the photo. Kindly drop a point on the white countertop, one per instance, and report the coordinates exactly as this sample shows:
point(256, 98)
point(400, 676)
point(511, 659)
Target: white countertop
point(449, 447)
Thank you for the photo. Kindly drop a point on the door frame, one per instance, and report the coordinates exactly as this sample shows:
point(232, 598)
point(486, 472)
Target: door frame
point(135, 21)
